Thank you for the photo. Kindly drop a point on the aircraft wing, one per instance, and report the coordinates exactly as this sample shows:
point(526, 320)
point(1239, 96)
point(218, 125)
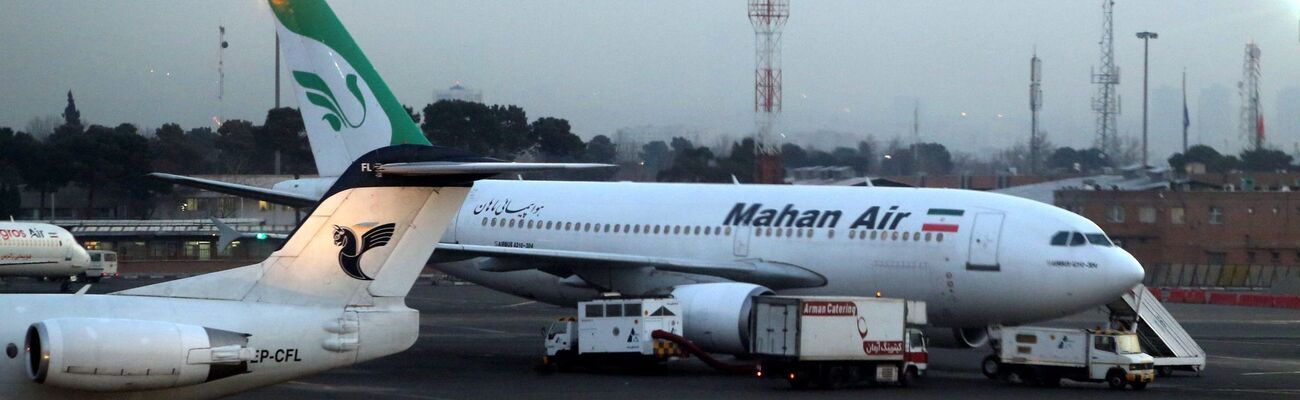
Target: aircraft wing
point(775, 275)
point(460, 168)
point(270, 195)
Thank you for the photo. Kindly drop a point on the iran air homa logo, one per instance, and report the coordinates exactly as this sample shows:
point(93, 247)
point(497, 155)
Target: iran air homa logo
point(319, 93)
point(351, 250)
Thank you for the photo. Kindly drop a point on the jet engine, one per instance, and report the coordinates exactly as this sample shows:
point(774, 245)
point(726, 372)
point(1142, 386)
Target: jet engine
point(104, 355)
point(958, 338)
point(717, 314)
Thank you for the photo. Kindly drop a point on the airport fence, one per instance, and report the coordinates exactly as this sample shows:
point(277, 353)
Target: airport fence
point(1242, 277)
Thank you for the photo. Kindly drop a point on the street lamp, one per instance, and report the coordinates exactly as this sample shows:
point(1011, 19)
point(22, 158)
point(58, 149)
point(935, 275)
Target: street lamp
point(1146, 40)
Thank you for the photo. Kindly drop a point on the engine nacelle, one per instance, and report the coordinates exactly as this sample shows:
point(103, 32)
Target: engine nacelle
point(104, 355)
point(957, 338)
point(716, 315)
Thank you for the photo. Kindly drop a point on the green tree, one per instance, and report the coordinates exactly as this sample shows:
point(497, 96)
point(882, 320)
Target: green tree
point(498, 131)
point(600, 150)
point(284, 133)
point(1265, 160)
point(555, 140)
point(237, 147)
point(71, 116)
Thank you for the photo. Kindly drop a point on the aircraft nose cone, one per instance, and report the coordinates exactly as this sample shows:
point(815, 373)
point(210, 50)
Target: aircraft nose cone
point(1128, 271)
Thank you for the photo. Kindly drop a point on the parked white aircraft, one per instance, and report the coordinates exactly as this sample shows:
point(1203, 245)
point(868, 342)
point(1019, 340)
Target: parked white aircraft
point(978, 258)
point(35, 250)
point(332, 296)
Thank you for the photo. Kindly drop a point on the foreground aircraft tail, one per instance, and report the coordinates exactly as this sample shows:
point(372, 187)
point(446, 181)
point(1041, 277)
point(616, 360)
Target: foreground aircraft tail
point(368, 239)
point(346, 107)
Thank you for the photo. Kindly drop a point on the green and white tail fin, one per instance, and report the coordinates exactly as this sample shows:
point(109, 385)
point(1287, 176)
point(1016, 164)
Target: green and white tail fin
point(347, 108)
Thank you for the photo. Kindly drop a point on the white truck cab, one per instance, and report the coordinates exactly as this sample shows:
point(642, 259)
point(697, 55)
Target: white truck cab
point(1037, 355)
point(613, 331)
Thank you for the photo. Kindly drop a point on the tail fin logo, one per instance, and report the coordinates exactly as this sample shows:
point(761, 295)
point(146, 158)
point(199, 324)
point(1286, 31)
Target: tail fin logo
point(319, 94)
point(351, 250)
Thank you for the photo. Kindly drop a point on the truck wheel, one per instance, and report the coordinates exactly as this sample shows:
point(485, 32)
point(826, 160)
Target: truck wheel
point(1165, 371)
point(1050, 380)
point(1115, 379)
point(907, 377)
point(991, 367)
point(836, 377)
point(1138, 385)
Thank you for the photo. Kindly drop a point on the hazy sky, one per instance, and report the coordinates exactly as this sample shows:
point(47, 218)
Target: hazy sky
point(851, 66)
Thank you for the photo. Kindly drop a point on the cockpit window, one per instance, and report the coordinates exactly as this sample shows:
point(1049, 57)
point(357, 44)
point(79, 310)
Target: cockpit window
point(1061, 238)
point(1099, 239)
point(1076, 239)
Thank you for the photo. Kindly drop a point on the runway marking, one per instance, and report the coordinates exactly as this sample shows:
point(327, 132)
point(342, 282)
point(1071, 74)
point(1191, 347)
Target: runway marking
point(1271, 373)
point(483, 330)
point(518, 304)
point(320, 387)
point(1246, 342)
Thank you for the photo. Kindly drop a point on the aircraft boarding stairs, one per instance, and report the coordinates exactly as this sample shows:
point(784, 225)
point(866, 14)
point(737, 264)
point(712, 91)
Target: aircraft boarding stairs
point(1160, 334)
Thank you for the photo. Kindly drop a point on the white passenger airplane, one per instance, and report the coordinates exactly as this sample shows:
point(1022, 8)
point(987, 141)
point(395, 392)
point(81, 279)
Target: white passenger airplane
point(34, 250)
point(333, 295)
point(977, 258)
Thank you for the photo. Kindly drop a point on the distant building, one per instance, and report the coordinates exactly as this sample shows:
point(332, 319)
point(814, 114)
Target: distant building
point(458, 92)
point(1220, 230)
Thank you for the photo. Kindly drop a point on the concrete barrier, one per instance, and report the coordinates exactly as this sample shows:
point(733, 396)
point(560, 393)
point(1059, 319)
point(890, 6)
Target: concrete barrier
point(1223, 298)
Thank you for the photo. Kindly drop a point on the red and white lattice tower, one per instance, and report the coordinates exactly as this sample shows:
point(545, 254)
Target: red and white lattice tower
point(768, 18)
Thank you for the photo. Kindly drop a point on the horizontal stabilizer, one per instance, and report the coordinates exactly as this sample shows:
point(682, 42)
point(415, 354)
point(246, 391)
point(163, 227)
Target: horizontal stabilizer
point(774, 275)
point(460, 168)
point(253, 192)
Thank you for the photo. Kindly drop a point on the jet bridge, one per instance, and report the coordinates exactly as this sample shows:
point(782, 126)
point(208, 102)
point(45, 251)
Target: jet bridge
point(1160, 334)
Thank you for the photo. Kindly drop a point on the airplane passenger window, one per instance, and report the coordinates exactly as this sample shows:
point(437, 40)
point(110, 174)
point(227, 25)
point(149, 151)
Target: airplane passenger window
point(1076, 239)
point(789, 232)
point(927, 236)
point(494, 222)
point(512, 223)
point(636, 229)
point(895, 235)
point(830, 233)
point(697, 230)
point(1098, 239)
point(778, 232)
point(708, 230)
point(853, 234)
point(677, 229)
point(530, 224)
point(1060, 238)
point(728, 230)
point(587, 227)
point(938, 237)
point(873, 235)
point(484, 221)
point(656, 229)
point(568, 226)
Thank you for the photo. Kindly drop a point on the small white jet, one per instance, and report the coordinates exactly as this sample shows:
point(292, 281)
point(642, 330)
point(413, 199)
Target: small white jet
point(977, 258)
point(333, 295)
point(34, 250)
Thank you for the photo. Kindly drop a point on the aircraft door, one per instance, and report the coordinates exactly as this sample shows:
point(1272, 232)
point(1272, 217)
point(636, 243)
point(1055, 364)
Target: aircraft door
point(984, 239)
point(741, 241)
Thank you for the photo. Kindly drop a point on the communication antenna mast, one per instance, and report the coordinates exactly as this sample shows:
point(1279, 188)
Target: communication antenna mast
point(768, 18)
point(1252, 120)
point(1106, 102)
point(221, 69)
point(1035, 104)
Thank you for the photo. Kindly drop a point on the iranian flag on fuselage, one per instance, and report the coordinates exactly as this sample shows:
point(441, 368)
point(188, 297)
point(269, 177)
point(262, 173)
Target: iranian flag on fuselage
point(942, 220)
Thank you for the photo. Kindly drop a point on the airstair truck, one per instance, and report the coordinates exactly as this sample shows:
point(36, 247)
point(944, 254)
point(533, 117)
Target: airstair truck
point(834, 341)
point(1037, 355)
point(614, 332)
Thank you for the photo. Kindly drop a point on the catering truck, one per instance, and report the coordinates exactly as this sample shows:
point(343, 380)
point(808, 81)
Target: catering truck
point(834, 341)
point(1037, 355)
point(614, 331)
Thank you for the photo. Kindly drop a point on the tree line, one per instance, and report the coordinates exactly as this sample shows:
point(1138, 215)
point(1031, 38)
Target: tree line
point(112, 161)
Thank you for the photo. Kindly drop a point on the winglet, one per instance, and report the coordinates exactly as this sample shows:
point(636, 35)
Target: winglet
point(228, 234)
